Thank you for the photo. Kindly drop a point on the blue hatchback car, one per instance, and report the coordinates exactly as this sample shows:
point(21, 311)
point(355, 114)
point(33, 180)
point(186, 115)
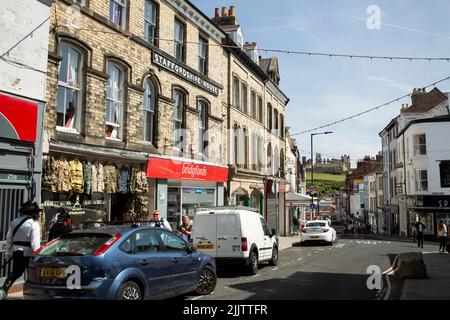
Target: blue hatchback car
point(119, 262)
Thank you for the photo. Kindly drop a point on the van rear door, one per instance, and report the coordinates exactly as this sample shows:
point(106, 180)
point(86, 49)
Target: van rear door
point(205, 233)
point(228, 235)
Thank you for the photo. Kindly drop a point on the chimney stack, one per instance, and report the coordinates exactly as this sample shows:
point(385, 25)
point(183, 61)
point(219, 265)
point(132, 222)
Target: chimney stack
point(216, 14)
point(417, 94)
point(231, 11)
point(224, 11)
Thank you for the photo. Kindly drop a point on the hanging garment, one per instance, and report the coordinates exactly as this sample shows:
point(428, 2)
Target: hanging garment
point(87, 175)
point(133, 180)
point(124, 180)
point(141, 207)
point(141, 182)
point(110, 172)
point(49, 179)
point(76, 176)
point(63, 175)
point(98, 182)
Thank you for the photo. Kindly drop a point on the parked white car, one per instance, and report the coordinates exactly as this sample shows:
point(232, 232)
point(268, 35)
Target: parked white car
point(318, 231)
point(235, 235)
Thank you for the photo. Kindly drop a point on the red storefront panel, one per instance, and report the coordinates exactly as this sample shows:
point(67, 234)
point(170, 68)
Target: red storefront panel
point(18, 118)
point(171, 169)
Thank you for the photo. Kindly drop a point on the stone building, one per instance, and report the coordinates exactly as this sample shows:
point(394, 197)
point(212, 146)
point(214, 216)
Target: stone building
point(135, 85)
point(255, 117)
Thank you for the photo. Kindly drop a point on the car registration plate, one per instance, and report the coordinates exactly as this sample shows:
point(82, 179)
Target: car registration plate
point(314, 237)
point(53, 272)
point(205, 246)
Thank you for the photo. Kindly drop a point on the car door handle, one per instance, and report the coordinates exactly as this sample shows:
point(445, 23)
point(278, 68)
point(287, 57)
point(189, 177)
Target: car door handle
point(143, 262)
point(221, 238)
point(175, 260)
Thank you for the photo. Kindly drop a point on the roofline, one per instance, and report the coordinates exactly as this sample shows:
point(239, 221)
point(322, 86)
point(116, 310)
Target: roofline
point(204, 16)
point(390, 125)
point(445, 118)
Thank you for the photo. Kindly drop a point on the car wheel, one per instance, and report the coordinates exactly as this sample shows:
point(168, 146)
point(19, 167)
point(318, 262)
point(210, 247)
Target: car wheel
point(130, 291)
point(253, 263)
point(274, 260)
point(207, 282)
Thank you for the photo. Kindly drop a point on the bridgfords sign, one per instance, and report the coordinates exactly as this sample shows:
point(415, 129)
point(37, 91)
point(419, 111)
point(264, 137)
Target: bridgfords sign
point(172, 66)
point(170, 169)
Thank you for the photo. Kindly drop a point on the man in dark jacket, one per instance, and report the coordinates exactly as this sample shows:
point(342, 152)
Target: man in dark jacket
point(420, 229)
point(62, 226)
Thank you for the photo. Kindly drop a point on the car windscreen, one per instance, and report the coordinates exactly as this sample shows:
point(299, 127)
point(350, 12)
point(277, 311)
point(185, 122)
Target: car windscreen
point(315, 224)
point(75, 245)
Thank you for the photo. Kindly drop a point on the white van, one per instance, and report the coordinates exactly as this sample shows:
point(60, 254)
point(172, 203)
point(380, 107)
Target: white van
point(234, 235)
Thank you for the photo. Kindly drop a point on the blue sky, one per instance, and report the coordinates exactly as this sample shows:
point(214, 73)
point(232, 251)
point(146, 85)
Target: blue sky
point(322, 89)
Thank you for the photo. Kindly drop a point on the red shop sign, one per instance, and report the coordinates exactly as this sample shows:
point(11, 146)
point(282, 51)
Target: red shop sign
point(18, 118)
point(172, 169)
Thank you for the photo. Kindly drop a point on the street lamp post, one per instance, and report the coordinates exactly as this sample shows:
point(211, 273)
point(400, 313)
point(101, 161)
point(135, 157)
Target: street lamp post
point(312, 166)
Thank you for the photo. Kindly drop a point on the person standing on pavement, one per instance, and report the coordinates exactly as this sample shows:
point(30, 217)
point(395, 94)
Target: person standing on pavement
point(62, 226)
point(420, 229)
point(22, 239)
point(185, 229)
point(442, 235)
point(159, 222)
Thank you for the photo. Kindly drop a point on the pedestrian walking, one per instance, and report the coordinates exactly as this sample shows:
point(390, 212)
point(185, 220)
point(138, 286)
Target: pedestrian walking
point(159, 222)
point(22, 239)
point(442, 235)
point(420, 229)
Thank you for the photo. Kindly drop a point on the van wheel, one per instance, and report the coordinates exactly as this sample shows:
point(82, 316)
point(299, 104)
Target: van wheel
point(274, 260)
point(207, 282)
point(130, 291)
point(253, 263)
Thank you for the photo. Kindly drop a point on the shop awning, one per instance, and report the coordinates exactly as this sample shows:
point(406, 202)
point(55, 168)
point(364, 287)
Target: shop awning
point(295, 197)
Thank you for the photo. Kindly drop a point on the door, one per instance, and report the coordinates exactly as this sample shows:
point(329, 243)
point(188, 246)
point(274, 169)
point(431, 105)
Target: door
point(266, 250)
point(228, 235)
point(205, 234)
point(148, 255)
point(183, 265)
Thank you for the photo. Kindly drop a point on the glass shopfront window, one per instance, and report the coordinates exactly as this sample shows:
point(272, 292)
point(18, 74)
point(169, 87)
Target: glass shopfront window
point(428, 220)
point(184, 201)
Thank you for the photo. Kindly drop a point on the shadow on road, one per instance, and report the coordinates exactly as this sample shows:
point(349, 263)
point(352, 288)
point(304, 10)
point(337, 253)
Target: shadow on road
point(310, 286)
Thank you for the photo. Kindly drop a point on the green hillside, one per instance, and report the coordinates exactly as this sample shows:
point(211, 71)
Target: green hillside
point(326, 183)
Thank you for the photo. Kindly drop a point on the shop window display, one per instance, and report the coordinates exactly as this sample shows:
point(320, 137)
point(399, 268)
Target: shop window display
point(93, 191)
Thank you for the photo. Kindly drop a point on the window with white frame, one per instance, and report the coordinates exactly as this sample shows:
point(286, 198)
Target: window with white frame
point(419, 144)
point(150, 22)
point(254, 152)
point(236, 92)
point(70, 83)
point(114, 102)
point(202, 109)
point(253, 104)
point(202, 56)
point(421, 180)
point(260, 109)
point(178, 49)
point(148, 117)
point(178, 114)
point(244, 98)
point(275, 117)
point(118, 12)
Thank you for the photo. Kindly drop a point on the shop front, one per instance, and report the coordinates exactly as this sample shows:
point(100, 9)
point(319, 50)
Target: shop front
point(94, 184)
point(20, 160)
point(431, 209)
point(183, 186)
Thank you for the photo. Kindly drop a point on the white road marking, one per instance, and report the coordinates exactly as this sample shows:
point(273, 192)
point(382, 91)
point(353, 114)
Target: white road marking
point(196, 298)
point(274, 269)
point(256, 275)
point(300, 259)
point(285, 264)
point(339, 245)
point(309, 255)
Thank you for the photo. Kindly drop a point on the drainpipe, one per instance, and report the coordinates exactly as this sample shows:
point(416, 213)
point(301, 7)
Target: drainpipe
point(406, 190)
point(228, 125)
